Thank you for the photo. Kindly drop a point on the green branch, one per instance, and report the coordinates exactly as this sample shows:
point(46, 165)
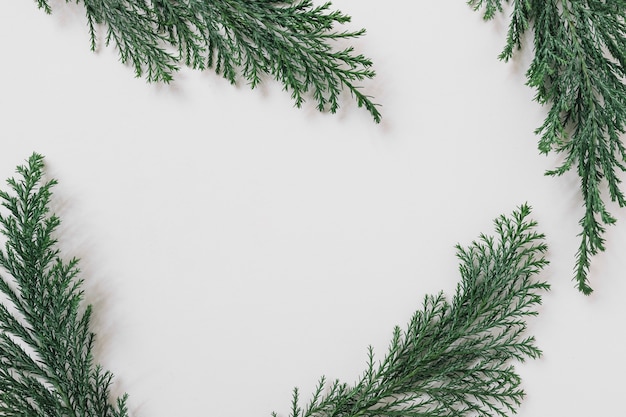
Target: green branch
point(46, 362)
point(453, 358)
point(290, 40)
point(579, 70)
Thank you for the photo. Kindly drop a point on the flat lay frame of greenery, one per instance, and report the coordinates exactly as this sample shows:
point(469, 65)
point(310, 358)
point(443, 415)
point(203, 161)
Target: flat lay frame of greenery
point(603, 280)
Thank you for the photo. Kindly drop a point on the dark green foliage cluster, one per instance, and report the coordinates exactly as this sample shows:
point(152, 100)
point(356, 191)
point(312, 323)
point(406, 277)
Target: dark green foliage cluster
point(46, 363)
point(290, 40)
point(453, 358)
point(579, 69)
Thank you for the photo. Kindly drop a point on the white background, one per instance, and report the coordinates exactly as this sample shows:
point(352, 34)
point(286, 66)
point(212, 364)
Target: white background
point(234, 246)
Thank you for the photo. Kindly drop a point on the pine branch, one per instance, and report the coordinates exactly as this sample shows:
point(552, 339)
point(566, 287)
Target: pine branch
point(579, 69)
point(46, 362)
point(453, 358)
point(290, 40)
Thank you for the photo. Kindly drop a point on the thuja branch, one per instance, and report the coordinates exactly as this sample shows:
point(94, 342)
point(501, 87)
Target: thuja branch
point(578, 69)
point(290, 40)
point(46, 362)
point(453, 359)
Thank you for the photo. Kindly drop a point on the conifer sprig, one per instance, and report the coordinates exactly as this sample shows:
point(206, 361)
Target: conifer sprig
point(291, 40)
point(46, 363)
point(453, 359)
point(579, 69)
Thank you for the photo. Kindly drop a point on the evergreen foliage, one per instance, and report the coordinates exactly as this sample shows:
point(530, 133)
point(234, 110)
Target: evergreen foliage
point(579, 69)
point(453, 358)
point(291, 40)
point(46, 362)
